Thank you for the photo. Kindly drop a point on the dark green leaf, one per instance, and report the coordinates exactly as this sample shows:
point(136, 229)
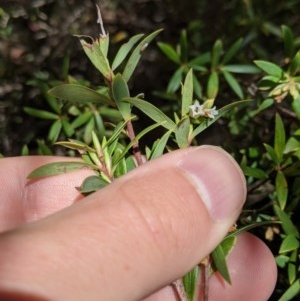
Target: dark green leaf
point(124, 50)
point(271, 152)
point(120, 91)
point(57, 168)
point(254, 172)
point(82, 119)
point(190, 283)
point(287, 225)
point(279, 139)
point(41, 113)
point(233, 83)
point(175, 81)
point(213, 85)
point(243, 69)
point(219, 262)
point(289, 243)
point(136, 55)
point(54, 131)
point(270, 68)
point(291, 292)
point(75, 93)
point(294, 67)
point(183, 47)
point(92, 184)
point(281, 189)
point(169, 51)
point(232, 51)
point(216, 53)
point(187, 93)
point(182, 133)
point(160, 145)
point(97, 57)
point(288, 39)
point(153, 112)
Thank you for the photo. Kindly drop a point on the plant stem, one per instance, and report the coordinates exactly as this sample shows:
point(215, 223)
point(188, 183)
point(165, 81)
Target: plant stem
point(135, 147)
point(179, 290)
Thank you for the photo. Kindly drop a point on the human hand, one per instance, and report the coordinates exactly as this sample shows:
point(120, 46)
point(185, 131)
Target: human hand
point(130, 240)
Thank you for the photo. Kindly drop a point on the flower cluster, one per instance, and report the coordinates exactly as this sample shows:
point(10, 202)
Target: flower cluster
point(197, 110)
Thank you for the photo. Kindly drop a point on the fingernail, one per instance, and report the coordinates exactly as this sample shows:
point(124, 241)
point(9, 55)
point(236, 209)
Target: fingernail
point(217, 179)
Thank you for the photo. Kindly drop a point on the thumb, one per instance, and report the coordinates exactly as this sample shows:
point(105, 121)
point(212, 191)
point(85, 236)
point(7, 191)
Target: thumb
point(131, 238)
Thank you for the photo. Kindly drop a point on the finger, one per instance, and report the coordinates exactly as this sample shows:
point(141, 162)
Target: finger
point(135, 236)
point(253, 273)
point(23, 201)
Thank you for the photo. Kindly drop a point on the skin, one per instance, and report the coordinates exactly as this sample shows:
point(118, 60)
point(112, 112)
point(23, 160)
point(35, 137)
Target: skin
point(130, 240)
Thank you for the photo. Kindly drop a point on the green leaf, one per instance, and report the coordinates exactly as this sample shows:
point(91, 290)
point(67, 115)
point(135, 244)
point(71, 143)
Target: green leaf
point(213, 85)
point(232, 51)
point(233, 83)
point(67, 127)
point(153, 112)
point(190, 283)
point(279, 139)
point(169, 51)
point(81, 119)
point(271, 152)
point(227, 244)
point(291, 292)
point(294, 67)
point(219, 262)
point(75, 93)
point(136, 55)
point(175, 81)
point(41, 113)
point(124, 50)
point(288, 39)
point(287, 225)
point(75, 144)
point(57, 168)
point(92, 184)
point(187, 93)
point(120, 91)
point(160, 145)
point(182, 133)
point(243, 69)
point(281, 189)
point(254, 172)
point(270, 68)
point(216, 53)
point(289, 243)
point(282, 260)
point(292, 266)
point(183, 47)
point(97, 57)
point(54, 131)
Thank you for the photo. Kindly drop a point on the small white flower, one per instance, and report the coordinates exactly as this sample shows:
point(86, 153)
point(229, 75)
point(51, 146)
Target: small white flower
point(197, 110)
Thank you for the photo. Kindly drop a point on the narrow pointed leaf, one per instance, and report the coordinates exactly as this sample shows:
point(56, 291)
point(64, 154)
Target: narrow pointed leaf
point(187, 93)
point(233, 83)
point(175, 81)
point(124, 50)
point(57, 168)
point(216, 53)
point(279, 140)
point(219, 262)
point(281, 189)
point(232, 51)
point(287, 224)
point(120, 92)
point(182, 133)
point(270, 68)
point(169, 51)
point(97, 57)
point(289, 243)
point(40, 113)
point(292, 292)
point(288, 39)
point(136, 55)
point(190, 283)
point(213, 85)
point(153, 112)
point(75, 93)
point(160, 146)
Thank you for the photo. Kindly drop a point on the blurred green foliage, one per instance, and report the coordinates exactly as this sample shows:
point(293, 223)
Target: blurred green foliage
point(238, 49)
